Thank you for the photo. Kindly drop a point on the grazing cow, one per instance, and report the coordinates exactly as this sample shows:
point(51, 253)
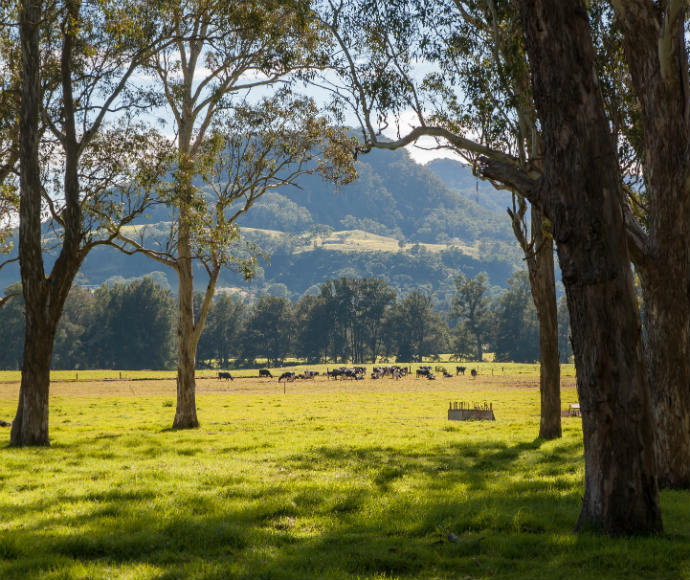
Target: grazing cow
point(265, 373)
point(288, 376)
point(225, 375)
point(310, 374)
point(473, 372)
point(423, 372)
point(460, 370)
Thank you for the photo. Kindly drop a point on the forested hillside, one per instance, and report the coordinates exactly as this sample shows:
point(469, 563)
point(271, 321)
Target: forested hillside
point(397, 221)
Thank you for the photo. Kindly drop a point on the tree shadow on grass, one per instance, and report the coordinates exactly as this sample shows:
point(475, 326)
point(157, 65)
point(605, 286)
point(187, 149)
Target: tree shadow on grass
point(397, 514)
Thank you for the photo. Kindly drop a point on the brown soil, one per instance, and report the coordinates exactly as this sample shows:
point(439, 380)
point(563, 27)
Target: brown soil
point(240, 386)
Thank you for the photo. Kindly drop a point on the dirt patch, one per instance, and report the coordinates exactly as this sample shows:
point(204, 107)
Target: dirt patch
point(253, 386)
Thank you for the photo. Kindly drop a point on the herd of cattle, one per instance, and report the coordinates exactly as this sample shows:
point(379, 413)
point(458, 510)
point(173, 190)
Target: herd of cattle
point(358, 373)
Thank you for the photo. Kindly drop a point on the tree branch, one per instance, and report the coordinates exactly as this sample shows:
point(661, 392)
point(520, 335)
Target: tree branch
point(511, 176)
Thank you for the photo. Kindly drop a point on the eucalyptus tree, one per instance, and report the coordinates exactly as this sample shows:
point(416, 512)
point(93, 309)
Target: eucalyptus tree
point(471, 306)
point(656, 96)
point(239, 148)
point(86, 167)
point(580, 190)
point(476, 101)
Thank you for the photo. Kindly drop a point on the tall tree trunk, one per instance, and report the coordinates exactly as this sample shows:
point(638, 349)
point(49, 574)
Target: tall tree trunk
point(30, 426)
point(185, 413)
point(44, 298)
point(655, 49)
point(543, 286)
point(580, 192)
point(539, 257)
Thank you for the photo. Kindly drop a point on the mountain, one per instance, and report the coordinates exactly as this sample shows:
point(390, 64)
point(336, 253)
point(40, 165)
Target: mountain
point(413, 225)
point(458, 177)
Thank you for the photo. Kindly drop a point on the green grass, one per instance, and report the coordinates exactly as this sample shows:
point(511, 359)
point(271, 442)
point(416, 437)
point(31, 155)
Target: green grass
point(345, 481)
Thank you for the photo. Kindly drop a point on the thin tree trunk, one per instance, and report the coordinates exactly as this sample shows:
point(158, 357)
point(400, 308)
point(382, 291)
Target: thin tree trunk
point(185, 413)
point(543, 285)
point(580, 191)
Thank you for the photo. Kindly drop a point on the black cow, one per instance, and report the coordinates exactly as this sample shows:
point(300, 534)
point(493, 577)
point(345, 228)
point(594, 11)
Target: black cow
point(265, 373)
point(225, 375)
point(460, 370)
point(473, 372)
point(288, 376)
point(310, 374)
point(423, 372)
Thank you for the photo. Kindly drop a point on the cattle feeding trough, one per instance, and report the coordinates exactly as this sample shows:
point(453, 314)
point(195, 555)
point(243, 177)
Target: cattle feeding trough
point(462, 411)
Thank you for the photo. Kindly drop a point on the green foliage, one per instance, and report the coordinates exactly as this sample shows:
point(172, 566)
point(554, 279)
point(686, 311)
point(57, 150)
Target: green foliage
point(268, 331)
point(471, 307)
point(516, 327)
point(414, 330)
point(337, 483)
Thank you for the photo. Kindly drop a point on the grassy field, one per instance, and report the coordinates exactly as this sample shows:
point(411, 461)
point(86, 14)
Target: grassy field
point(507, 370)
point(364, 479)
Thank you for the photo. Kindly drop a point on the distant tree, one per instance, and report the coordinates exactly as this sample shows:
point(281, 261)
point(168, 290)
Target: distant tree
point(73, 330)
point(471, 307)
point(463, 343)
point(135, 326)
point(516, 331)
point(360, 305)
point(377, 297)
point(269, 330)
point(220, 339)
point(414, 330)
point(311, 328)
point(333, 322)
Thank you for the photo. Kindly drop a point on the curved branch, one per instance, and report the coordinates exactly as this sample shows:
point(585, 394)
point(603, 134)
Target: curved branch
point(455, 140)
point(511, 176)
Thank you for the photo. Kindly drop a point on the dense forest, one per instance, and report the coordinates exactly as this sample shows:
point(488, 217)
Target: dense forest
point(132, 326)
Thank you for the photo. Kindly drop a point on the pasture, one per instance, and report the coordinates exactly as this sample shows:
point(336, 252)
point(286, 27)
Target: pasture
point(333, 479)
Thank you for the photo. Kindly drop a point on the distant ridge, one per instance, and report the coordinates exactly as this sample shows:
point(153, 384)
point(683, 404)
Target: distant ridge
point(412, 225)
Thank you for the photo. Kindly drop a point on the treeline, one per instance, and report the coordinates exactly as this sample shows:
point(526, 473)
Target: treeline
point(132, 326)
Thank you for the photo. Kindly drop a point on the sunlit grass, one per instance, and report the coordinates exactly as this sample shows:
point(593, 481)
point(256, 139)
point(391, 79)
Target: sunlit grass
point(346, 479)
